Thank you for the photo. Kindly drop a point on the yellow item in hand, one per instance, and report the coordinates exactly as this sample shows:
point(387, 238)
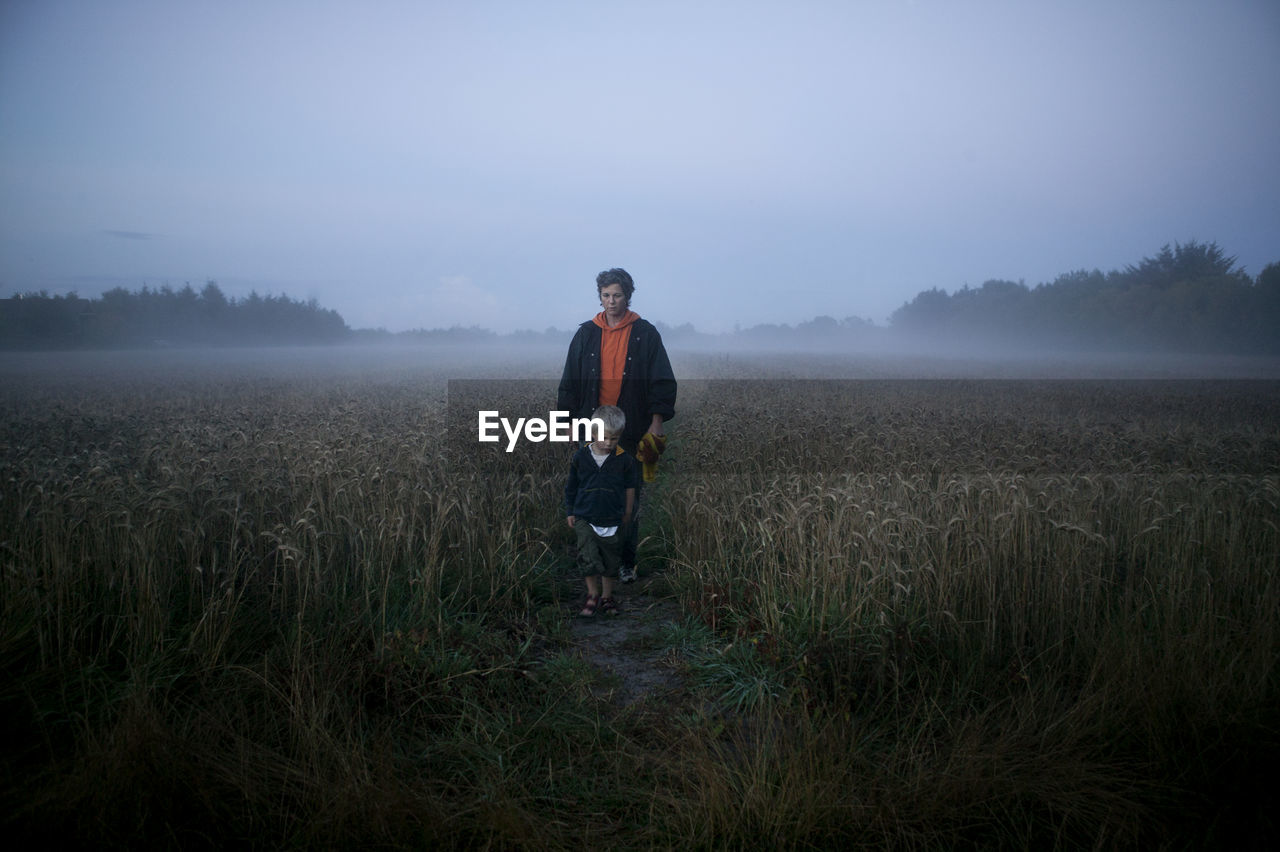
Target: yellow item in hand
point(651, 446)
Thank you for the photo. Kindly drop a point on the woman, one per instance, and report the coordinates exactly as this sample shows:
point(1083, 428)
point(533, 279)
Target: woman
point(617, 358)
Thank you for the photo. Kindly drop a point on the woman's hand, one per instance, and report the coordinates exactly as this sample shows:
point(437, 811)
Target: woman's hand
point(655, 425)
point(570, 521)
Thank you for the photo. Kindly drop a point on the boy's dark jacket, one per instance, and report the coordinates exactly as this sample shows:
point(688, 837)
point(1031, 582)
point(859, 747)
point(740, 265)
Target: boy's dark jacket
point(648, 384)
point(598, 494)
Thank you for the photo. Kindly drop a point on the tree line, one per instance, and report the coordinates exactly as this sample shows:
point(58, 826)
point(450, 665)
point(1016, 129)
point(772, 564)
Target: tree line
point(163, 317)
point(1188, 298)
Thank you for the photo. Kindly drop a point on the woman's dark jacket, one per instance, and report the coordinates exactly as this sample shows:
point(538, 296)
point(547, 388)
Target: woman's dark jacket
point(648, 385)
point(598, 493)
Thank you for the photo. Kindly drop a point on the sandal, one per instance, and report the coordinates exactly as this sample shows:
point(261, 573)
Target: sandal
point(608, 606)
point(589, 608)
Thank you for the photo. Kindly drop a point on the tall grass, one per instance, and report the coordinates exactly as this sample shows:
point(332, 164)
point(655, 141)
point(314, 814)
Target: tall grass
point(308, 610)
point(236, 605)
point(1065, 617)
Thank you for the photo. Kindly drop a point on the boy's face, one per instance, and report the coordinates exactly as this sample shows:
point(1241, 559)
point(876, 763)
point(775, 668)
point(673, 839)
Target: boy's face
point(607, 443)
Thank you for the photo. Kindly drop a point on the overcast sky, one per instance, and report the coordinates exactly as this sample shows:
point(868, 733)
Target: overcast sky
point(425, 164)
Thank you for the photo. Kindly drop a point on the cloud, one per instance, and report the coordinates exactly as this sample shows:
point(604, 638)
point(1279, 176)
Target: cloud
point(457, 294)
point(453, 300)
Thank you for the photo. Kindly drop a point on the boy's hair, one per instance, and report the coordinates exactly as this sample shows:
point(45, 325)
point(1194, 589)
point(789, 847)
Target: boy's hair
point(616, 276)
point(615, 419)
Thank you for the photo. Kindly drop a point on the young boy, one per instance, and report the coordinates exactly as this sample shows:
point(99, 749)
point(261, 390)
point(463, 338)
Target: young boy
point(599, 499)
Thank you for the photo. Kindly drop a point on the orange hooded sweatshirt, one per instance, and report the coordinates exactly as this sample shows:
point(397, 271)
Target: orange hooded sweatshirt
point(613, 355)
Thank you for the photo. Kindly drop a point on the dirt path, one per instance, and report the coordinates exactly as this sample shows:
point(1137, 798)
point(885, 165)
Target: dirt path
point(628, 647)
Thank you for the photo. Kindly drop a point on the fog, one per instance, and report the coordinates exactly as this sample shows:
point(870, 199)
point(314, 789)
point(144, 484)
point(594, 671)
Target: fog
point(431, 367)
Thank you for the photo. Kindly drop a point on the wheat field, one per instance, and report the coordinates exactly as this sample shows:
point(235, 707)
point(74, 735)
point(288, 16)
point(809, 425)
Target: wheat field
point(291, 607)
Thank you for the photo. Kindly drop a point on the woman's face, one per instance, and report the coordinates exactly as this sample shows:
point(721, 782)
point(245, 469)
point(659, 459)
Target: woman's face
point(613, 301)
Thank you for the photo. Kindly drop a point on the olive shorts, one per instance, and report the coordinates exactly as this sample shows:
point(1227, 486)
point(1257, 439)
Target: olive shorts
point(597, 555)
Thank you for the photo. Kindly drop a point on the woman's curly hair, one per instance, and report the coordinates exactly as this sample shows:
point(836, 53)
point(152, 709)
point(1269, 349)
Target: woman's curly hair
point(616, 276)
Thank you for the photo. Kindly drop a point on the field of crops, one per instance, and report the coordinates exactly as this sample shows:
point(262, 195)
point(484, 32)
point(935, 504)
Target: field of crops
point(304, 607)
